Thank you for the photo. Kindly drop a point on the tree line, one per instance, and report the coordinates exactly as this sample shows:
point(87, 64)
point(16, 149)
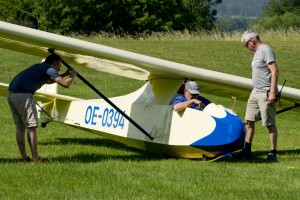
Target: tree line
point(266, 14)
point(281, 14)
point(118, 16)
point(147, 16)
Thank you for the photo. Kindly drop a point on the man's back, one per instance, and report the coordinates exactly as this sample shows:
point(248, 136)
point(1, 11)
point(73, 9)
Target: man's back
point(32, 78)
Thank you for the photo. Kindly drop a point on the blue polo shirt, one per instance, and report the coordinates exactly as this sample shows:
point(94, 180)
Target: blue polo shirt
point(182, 98)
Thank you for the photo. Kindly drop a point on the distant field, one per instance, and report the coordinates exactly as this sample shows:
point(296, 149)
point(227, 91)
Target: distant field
point(80, 165)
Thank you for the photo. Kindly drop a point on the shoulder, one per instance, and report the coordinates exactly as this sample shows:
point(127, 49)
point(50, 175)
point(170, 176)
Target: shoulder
point(45, 65)
point(51, 71)
point(267, 48)
point(178, 99)
point(41, 66)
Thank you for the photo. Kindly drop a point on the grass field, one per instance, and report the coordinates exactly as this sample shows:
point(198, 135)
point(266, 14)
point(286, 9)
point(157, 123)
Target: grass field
point(80, 165)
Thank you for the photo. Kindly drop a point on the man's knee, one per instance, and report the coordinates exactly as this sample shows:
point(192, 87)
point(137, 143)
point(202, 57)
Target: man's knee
point(249, 123)
point(272, 128)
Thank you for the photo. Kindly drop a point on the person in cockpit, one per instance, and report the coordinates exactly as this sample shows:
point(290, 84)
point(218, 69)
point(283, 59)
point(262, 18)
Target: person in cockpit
point(190, 98)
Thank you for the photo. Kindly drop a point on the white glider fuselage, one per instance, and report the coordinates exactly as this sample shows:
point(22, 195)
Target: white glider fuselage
point(180, 134)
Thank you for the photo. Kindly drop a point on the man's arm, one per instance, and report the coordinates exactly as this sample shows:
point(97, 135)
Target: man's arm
point(274, 79)
point(66, 82)
point(66, 73)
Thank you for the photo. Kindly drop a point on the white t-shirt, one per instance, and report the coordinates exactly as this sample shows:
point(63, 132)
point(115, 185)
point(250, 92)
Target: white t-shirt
point(261, 74)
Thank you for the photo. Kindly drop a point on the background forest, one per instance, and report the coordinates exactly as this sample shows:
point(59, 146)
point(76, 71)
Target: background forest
point(267, 14)
point(234, 15)
point(147, 16)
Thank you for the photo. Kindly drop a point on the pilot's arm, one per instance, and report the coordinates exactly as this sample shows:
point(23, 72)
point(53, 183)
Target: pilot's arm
point(183, 105)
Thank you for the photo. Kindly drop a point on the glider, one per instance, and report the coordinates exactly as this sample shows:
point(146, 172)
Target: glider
point(143, 119)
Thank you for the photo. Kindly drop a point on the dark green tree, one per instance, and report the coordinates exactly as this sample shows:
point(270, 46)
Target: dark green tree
point(280, 7)
point(203, 13)
point(73, 16)
point(157, 15)
point(118, 16)
point(281, 14)
point(19, 12)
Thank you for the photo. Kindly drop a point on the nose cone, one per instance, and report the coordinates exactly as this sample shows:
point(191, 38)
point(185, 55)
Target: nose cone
point(228, 135)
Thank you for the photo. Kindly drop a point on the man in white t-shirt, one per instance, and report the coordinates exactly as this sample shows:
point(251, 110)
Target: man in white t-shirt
point(261, 103)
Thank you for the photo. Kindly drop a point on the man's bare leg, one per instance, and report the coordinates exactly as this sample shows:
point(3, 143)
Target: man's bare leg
point(273, 136)
point(20, 138)
point(32, 140)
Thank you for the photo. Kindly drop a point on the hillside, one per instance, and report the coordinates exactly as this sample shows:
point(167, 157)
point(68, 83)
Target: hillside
point(235, 15)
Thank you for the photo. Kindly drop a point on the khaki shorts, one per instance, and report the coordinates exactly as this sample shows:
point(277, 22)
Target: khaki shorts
point(23, 110)
point(258, 107)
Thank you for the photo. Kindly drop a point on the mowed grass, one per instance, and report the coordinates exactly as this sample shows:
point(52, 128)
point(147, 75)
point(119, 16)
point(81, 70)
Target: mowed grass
point(81, 165)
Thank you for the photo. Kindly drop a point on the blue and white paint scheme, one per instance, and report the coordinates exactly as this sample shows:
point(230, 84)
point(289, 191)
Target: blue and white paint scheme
point(189, 133)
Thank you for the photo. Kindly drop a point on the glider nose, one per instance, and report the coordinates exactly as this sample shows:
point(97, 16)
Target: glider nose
point(229, 134)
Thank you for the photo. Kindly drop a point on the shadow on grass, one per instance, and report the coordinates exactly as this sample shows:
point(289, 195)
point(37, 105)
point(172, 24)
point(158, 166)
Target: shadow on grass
point(101, 142)
point(134, 154)
point(258, 157)
point(87, 158)
point(261, 156)
point(95, 158)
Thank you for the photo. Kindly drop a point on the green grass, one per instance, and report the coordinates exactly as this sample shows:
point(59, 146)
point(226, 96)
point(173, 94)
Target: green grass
point(80, 165)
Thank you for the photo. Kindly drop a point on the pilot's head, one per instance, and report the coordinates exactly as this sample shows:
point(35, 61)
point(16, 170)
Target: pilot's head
point(191, 90)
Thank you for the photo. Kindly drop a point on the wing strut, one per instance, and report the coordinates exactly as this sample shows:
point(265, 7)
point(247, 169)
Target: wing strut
point(105, 98)
point(288, 108)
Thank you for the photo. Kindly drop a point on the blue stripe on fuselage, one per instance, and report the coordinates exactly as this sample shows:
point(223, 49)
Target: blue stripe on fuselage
point(228, 130)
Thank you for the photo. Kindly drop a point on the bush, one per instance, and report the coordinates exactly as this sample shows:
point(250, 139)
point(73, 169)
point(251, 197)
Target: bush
point(284, 21)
